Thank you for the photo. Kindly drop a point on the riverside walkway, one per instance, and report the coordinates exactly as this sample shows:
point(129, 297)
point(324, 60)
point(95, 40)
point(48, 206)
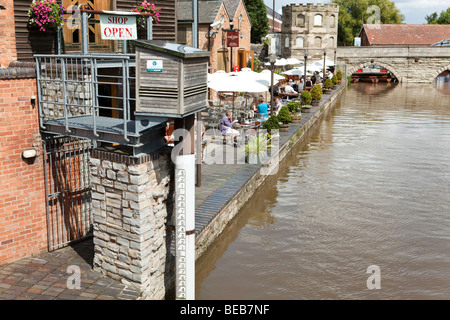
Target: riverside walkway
point(44, 277)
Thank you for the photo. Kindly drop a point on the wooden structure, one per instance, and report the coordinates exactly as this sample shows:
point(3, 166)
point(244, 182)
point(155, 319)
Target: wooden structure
point(179, 87)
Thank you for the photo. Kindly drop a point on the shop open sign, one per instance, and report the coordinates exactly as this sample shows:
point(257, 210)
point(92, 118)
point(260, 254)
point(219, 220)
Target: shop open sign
point(118, 27)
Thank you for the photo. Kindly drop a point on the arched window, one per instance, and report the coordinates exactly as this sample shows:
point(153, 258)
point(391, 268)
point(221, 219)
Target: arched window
point(299, 42)
point(318, 20)
point(286, 42)
point(318, 42)
point(330, 42)
point(300, 20)
point(332, 21)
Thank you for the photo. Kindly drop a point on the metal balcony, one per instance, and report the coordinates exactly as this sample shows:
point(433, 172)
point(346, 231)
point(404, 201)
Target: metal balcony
point(93, 96)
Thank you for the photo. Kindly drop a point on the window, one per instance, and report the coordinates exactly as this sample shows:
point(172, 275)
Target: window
point(300, 20)
point(299, 42)
point(331, 42)
point(182, 39)
point(318, 42)
point(332, 21)
point(286, 42)
point(318, 20)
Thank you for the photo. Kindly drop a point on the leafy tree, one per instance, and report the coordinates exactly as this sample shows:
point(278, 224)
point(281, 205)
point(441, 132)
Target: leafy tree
point(354, 13)
point(256, 9)
point(443, 18)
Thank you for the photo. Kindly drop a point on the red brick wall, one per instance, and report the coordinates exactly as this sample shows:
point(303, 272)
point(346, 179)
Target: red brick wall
point(8, 51)
point(22, 195)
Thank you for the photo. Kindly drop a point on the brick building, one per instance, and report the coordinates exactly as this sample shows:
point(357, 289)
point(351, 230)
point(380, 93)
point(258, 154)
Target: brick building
point(24, 201)
point(222, 14)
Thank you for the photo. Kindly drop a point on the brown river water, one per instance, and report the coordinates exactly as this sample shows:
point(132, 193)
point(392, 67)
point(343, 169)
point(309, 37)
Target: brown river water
point(369, 187)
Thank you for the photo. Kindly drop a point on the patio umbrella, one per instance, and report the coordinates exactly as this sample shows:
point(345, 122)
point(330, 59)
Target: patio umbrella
point(216, 75)
point(265, 77)
point(237, 83)
point(294, 72)
point(293, 61)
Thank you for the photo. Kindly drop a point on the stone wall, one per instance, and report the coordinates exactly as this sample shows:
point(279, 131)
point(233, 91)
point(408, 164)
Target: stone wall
point(131, 203)
point(299, 21)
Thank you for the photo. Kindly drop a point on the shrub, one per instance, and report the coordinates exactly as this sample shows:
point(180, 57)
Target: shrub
point(306, 97)
point(271, 123)
point(284, 116)
point(294, 106)
point(339, 74)
point(328, 83)
point(316, 93)
point(334, 80)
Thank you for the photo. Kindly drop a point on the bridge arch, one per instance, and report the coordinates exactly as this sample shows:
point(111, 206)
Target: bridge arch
point(439, 71)
point(352, 68)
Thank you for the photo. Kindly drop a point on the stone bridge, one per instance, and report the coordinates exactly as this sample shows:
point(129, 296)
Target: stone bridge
point(407, 64)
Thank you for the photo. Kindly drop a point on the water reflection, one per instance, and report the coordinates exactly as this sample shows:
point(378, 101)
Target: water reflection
point(442, 83)
point(368, 187)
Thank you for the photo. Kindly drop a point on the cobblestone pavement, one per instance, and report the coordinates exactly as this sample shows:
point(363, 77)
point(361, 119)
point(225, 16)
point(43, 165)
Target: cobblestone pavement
point(45, 277)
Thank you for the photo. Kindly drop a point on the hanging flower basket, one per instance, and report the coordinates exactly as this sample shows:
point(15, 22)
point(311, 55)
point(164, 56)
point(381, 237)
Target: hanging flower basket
point(46, 15)
point(147, 7)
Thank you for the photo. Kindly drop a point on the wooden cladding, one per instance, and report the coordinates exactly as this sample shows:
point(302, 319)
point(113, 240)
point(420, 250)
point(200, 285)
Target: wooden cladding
point(31, 41)
point(166, 29)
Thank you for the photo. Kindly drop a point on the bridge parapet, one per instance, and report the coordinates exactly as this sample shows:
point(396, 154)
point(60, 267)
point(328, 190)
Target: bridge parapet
point(408, 64)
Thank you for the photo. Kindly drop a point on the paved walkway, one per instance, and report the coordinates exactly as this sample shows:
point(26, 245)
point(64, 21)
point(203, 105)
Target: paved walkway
point(44, 277)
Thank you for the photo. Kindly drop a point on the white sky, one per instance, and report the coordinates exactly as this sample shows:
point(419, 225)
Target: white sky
point(413, 10)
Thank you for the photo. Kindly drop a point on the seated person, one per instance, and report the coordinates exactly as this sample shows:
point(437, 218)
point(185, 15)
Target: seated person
point(226, 125)
point(263, 107)
point(277, 106)
point(308, 82)
point(289, 90)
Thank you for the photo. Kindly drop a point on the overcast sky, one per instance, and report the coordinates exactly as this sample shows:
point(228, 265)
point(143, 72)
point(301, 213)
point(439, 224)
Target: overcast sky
point(414, 10)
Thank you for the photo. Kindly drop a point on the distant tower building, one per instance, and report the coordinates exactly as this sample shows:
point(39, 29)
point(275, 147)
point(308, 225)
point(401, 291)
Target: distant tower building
point(310, 28)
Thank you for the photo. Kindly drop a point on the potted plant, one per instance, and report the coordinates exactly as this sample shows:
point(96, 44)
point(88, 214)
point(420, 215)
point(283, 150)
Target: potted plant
point(327, 85)
point(256, 145)
point(284, 117)
point(46, 15)
point(271, 124)
point(295, 109)
point(339, 75)
point(334, 80)
point(306, 101)
point(316, 95)
point(149, 8)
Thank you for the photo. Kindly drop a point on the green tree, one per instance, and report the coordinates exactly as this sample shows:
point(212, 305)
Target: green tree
point(443, 18)
point(256, 9)
point(354, 13)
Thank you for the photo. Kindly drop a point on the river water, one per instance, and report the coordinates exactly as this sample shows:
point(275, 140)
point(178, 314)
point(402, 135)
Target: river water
point(369, 188)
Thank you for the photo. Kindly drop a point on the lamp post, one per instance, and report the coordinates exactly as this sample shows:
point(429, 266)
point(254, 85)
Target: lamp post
point(272, 60)
point(304, 74)
point(324, 66)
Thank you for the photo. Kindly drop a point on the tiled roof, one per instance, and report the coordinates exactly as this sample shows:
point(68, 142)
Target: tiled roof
point(207, 10)
point(405, 34)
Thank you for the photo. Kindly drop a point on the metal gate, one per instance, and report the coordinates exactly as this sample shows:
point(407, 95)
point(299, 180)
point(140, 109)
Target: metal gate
point(67, 189)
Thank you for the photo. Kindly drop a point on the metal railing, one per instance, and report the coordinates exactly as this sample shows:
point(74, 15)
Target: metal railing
point(69, 86)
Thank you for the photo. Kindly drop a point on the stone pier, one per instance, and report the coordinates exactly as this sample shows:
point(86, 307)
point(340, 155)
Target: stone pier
point(131, 203)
